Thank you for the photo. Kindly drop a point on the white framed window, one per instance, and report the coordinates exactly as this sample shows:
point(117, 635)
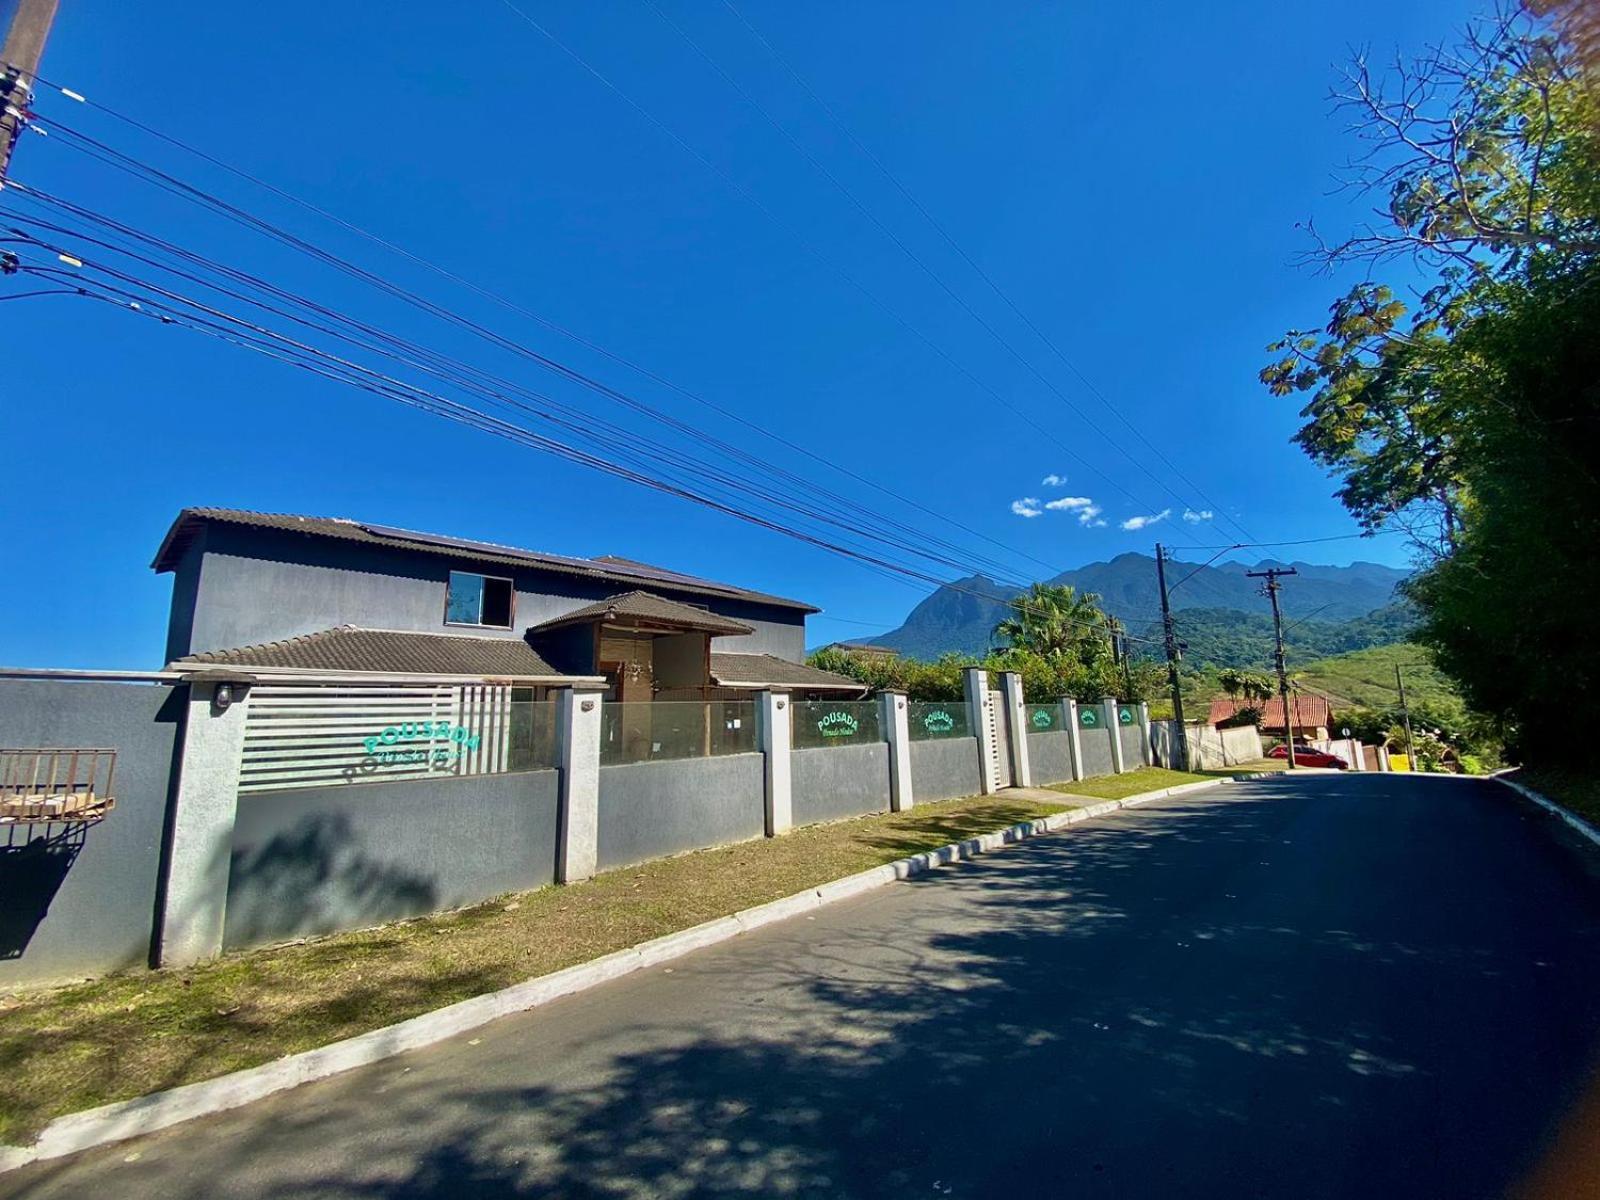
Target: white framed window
point(482, 600)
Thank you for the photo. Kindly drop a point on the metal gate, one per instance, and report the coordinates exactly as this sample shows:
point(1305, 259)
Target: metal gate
point(999, 721)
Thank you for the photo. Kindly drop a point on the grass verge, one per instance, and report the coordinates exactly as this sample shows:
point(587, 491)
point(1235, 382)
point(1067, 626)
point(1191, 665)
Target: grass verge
point(1575, 791)
point(1151, 779)
point(76, 1047)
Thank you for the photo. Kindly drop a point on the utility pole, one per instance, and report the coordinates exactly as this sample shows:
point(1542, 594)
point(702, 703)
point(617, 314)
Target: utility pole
point(1171, 641)
point(21, 48)
point(1272, 575)
point(1405, 716)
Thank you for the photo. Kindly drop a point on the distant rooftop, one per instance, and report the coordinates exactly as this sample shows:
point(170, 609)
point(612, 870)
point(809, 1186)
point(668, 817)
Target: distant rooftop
point(609, 568)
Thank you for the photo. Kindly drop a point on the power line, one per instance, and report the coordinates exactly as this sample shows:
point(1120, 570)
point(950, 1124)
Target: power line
point(1011, 304)
point(529, 314)
point(806, 245)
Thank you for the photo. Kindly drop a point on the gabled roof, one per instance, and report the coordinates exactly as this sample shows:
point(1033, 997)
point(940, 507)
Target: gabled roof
point(1307, 708)
point(768, 671)
point(609, 569)
point(349, 649)
point(632, 609)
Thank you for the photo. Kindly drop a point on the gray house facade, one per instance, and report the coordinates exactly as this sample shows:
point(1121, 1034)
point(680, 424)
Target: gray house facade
point(294, 594)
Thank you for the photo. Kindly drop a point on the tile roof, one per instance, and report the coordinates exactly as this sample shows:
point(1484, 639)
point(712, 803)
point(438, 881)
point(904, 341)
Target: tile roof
point(766, 670)
point(1309, 709)
point(650, 608)
point(609, 568)
point(348, 648)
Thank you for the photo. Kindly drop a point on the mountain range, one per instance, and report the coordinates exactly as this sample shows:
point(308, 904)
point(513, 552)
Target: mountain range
point(961, 615)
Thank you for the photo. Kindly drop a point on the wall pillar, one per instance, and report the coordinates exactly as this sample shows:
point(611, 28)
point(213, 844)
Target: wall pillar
point(1017, 726)
point(897, 728)
point(578, 837)
point(975, 680)
point(194, 892)
point(1069, 709)
point(774, 718)
point(1144, 734)
point(1108, 706)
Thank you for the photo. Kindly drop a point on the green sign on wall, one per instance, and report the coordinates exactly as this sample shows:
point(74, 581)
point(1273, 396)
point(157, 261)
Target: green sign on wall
point(1125, 714)
point(1089, 718)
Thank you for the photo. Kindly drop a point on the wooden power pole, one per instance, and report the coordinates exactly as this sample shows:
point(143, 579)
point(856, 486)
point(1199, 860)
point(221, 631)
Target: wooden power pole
point(1272, 575)
point(1171, 640)
point(21, 48)
point(1405, 715)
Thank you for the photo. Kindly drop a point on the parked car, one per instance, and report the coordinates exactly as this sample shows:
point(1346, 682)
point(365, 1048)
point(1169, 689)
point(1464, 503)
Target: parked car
point(1306, 756)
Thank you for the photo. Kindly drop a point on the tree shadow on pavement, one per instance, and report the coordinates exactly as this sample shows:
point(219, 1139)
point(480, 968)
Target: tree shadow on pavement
point(1206, 998)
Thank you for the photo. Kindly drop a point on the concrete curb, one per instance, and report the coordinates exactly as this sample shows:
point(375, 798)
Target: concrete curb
point(160, 1110)
point(1583, 828)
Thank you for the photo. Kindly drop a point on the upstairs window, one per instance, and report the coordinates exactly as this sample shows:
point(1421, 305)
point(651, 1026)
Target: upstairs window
point(478, 600)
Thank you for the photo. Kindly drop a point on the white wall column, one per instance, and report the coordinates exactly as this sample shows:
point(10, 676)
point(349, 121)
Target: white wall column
point(773, 724)
point(578, 722)
point(1383, 758)
point(1069, 712)
point(976, 682)
point(1016, 716)
point(1108, 706)
point(195, 888)
point(897, 728)
point(1144, 734)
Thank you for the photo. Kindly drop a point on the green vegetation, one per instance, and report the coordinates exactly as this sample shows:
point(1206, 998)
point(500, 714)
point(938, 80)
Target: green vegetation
point(1152, 779)
point(1575, 789)
point(1468, 417)
point(1365, 678)
point(1228, 637)
point(1057, 639)
point(73, 1048)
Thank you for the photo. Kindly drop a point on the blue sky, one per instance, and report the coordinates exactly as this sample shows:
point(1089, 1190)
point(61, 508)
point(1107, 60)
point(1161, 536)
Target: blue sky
point(1130, 175)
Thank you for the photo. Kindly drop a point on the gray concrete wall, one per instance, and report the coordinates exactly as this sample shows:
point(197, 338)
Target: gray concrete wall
point(1132, 747)
point(840, 781)
point(258, 585)
point(652, 809)
point(1050, 757)
point(944, 768)
point(1096, 745)
point(76, 900)
point(344, 857)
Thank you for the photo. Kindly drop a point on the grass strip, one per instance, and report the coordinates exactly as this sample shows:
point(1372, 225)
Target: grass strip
point(1576, 791)
point(1151, 779)
point(80, 1046)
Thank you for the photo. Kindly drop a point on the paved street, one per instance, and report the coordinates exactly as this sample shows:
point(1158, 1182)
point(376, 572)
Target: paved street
point(1360, 986)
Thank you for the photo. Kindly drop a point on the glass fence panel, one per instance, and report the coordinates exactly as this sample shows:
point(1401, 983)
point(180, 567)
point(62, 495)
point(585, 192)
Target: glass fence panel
point(1045, 718)
point(836, 723)
point(533, 743)
point(644, 730)
point(930, 720)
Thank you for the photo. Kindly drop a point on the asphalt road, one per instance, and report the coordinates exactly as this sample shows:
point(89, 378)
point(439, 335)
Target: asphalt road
point(1361, 986)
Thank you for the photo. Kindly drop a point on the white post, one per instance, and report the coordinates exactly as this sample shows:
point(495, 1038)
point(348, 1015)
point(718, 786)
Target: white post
point(578, 716)
point(1144, 734)
point(1075, 744)
point(777, 740)
point(976, 682)
point(897, 727)
point(195, 895)
point(1109, 707)
point(1017, 727)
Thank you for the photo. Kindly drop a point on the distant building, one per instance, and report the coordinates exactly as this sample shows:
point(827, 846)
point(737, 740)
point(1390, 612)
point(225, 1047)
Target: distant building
point(1312, 714)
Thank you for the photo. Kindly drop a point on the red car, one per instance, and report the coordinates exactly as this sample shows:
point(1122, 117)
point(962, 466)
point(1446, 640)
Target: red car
point(1305, 756)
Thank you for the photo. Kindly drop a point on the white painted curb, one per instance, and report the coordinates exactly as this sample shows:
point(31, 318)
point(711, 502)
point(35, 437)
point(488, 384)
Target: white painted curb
point(1583, 827)
point(159, 1110)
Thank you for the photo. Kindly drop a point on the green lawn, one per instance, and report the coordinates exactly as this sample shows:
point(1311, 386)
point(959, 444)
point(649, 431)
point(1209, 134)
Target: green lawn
point(1151, 779)
point(76, 1047)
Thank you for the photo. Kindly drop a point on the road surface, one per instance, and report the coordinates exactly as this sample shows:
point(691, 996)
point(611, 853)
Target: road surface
point(1357, 986)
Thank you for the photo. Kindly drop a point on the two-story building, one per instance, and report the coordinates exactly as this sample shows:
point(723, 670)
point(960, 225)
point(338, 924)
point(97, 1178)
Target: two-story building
point(282, 597)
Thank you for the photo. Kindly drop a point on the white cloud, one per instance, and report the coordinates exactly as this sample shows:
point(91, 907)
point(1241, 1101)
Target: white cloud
point(1053, 481)
point(1028, 506)
point(1141, 522)
point(1088, 511)
point(1194, 516)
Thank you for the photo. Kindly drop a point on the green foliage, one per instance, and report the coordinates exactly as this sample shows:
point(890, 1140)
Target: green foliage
point(1227, 636)
point(1472, 420)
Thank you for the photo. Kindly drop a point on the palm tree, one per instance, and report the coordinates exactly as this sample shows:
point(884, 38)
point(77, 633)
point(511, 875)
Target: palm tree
point(1056, 622)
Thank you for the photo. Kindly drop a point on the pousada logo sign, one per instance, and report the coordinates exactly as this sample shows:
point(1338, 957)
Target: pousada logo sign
point(939, 721)
point(1042, 719)
point(457, 738)
point(838, 724)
